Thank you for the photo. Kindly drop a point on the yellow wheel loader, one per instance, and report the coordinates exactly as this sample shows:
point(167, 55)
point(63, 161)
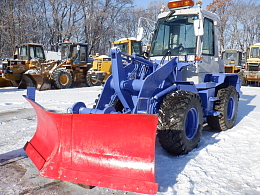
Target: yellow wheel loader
point(252, 67)
point(101, 69)
point(26, 57)
point(60, 74)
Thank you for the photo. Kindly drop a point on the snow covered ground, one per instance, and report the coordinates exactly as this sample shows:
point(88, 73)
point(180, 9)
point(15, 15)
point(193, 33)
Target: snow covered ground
point(224, 163)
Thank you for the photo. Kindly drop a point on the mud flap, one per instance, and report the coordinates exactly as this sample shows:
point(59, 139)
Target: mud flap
point(34, 80)
point(107, 150)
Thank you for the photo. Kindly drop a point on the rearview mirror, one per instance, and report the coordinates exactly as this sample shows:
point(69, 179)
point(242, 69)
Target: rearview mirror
point(198, 27)
point(140, 33)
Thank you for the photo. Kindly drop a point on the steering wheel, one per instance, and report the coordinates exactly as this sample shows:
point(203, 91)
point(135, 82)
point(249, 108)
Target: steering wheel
point(180, 48)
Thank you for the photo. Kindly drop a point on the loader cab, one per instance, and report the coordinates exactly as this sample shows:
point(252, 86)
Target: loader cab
point(129, 46)
point(232, 60)
point(77, 52)
point(190, 35)
point(30, 51)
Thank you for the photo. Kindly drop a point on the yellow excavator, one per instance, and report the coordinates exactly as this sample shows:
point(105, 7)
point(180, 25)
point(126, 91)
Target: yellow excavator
point(101, 69)
point(26, 56)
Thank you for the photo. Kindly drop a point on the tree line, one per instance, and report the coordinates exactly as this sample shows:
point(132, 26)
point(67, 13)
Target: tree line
point(49, 22)
point(238, 23)
point(100, 22)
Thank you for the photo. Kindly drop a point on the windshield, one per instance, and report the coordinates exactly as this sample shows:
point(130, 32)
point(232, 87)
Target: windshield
point(175, 34)
point(254, 52)
point(23, 51)
point(123, 47)
point(39, 52)
point(65, 51)
point(75, 52)
point(137, 48)
point(231, 56)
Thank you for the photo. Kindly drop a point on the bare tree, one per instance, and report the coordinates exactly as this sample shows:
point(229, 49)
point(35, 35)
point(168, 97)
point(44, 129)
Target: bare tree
point(134, 16)
point(222, 8)
point(242, 27)
point(100, 22)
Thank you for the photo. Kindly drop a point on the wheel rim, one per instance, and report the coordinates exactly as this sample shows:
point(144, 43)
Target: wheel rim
point(64, 79)
point(191, 123)
point(94, 81)
point(231, 108)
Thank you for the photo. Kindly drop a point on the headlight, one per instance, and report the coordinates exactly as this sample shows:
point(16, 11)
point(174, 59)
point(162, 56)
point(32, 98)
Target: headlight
point(182, 58)
point(190, 58)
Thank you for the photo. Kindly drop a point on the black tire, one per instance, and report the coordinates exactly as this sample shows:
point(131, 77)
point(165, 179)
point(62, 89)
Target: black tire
point(180, 122)
point(242, 78)
point(91, 82)
point(227, 105)
point(62, 78)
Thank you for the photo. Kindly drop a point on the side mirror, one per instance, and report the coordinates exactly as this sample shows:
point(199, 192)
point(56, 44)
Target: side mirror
point(198, 28)
point(140, 33)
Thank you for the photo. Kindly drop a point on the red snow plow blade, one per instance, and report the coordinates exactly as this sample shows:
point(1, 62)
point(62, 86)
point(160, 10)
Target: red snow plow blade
point(107, 150)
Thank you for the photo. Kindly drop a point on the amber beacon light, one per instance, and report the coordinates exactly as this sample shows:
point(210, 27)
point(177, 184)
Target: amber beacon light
point(180, 4)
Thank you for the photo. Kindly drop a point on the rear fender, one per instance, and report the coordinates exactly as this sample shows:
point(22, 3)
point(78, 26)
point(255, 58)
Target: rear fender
point(225, 79)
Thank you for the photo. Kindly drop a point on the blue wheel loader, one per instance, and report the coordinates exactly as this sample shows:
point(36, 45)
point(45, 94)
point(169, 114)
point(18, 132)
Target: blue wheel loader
point(170, 94)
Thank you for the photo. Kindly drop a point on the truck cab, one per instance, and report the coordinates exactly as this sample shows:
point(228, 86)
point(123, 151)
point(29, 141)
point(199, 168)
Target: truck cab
point(190, 35)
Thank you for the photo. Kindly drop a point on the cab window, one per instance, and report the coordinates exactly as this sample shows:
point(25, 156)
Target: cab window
point(208, 37)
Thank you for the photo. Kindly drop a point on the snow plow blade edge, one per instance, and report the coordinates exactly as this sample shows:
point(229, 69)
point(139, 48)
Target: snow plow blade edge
point(107, 150)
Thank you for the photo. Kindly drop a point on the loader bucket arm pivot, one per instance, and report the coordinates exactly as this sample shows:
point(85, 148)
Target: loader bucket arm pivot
point(119, 76)
point(134, 83)
point(125, 83)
